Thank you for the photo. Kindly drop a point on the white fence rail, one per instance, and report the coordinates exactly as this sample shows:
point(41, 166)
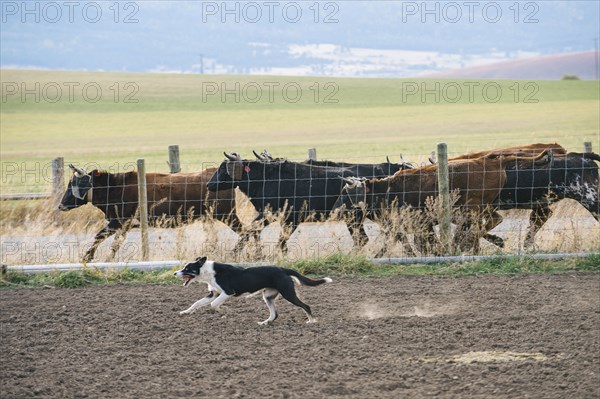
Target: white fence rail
point(22, 196)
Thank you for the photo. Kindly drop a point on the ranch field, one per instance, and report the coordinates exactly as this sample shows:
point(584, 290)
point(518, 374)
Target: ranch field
point(120, 117)
point(533, 336)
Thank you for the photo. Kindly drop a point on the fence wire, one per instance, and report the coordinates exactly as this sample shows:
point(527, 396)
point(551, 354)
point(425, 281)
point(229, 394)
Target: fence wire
point(249, 209)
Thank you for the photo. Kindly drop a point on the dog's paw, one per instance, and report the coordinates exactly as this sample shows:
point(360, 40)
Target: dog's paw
point(185, 312)
point(264, 323)
point(311, 321)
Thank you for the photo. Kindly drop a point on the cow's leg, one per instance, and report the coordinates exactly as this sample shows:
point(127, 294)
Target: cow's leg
point(119, 238)
point(234, 223)
point(539, 216)
point(246, 234)
point(357, 228)
point(477, 224)
point(102, 235)
point(492, 221)
point(359, 235)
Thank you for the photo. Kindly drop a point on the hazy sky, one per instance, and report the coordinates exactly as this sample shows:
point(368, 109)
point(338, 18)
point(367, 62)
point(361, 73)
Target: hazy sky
point(303, 37)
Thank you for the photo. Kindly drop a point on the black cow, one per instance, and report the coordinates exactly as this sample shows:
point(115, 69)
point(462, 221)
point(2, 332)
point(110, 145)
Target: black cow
point(572, 175)
point(379, 170)
point(272, 185)
point(382, 170)
point(176, 195)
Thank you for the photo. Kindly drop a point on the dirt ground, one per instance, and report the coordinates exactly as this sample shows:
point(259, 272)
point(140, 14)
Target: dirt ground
point(521, 336)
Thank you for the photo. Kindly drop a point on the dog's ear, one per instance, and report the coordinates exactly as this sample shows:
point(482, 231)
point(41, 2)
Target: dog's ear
point(201, 260)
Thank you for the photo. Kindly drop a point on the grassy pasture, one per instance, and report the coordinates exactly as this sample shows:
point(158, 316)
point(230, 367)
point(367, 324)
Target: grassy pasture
point(345, 119)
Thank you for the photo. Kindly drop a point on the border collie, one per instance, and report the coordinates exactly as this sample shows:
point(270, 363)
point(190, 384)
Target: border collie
point(228, 280)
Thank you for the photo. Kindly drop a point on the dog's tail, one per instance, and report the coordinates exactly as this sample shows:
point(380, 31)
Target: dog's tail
point(305, 280)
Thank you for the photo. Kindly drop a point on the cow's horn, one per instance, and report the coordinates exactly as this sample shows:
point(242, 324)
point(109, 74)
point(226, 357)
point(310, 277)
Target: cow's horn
point(259, 157)
point(387, 159)
point(233, 156)
point(350, 180)
point(80, 172)
point(545, 158)
point(267, 155)
point(432, 158)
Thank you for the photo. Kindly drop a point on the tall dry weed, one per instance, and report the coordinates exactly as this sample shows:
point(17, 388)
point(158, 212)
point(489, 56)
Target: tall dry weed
point(400, 231)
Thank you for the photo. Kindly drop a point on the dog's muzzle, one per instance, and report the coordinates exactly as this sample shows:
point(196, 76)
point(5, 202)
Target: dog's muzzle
point(187, 278)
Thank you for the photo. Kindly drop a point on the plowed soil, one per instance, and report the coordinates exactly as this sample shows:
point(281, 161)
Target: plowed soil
point(521, 336)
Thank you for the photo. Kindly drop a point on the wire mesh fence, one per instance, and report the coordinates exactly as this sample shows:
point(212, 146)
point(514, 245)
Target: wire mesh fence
point(264, 207)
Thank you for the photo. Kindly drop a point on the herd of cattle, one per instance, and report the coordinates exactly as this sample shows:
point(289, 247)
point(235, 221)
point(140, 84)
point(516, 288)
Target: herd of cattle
point(530, 176)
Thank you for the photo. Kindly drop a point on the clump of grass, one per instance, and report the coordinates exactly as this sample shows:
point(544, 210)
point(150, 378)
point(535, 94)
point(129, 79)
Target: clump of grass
point(589, 263)
point(337, 264)
point(88, 276)
point(501, 265)
point(72, 279)
point(14, 278)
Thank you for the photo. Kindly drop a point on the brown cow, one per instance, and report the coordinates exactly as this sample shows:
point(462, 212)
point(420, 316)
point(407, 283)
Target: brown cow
point(571, 175)
point(172, 196)
point(527, 150)
point(478, 182)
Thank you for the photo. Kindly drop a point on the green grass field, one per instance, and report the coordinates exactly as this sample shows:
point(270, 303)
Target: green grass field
point(345, 119)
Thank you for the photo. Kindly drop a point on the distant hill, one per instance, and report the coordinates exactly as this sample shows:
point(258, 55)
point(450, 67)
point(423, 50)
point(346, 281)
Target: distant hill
point(547, 67)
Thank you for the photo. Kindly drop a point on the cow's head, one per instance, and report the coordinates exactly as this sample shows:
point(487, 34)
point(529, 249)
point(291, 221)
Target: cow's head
point(393, 167)
point(354, 193)
point(229, 173)
point(576, 176)
point(264, 156)
point(77, 192)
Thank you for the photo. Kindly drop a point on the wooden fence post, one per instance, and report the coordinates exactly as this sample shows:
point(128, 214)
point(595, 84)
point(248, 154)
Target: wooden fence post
point(312, 154)
point(143, 206)
point(174, 165)
point(444, 191)
point(58, 185)
point(58, 177)
point(587, 147)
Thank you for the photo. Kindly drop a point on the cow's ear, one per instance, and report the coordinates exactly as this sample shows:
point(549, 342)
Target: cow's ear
point(201, 260)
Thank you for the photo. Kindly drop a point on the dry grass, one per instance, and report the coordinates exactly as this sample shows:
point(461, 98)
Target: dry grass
point(40, 218)
point(33, 233)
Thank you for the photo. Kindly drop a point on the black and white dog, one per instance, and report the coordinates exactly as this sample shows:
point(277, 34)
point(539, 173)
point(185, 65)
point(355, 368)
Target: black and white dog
point(228, 280)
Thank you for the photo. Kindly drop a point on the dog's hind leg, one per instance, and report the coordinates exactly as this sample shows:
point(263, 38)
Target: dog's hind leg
point(286, 289)
point(202, 302)
point(269, 295)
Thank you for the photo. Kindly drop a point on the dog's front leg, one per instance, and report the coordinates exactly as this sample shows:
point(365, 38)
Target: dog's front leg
point(219, 301)
point(202, 302)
